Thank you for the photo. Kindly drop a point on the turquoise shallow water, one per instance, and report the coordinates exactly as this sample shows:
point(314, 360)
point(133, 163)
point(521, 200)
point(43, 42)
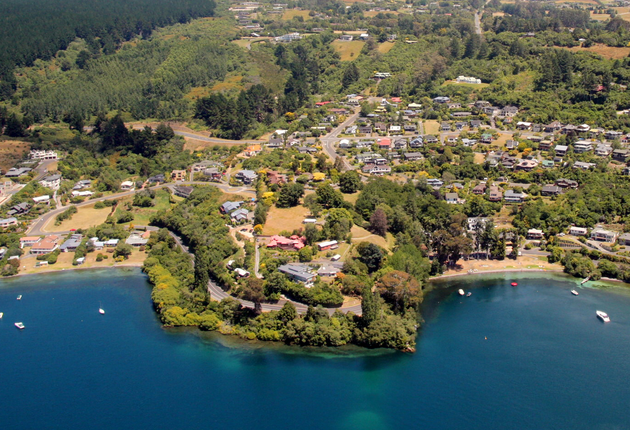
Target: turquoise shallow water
point(547, 363)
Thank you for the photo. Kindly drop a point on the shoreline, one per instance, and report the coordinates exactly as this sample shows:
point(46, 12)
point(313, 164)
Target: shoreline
point(494, 271)
point(69, 269)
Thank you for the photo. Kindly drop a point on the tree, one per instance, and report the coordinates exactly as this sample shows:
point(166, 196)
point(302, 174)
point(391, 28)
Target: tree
point(287, 313)
point(349, 182)
point(14, 127)
point(350, 75)
point(370, 306)
point(290, 195)
point(122, 249)
point(253, 291)
point(328, 197)
point(378, 222)
point(311, 233)
point(400, 288)
point(305, 254)
point(370, 255)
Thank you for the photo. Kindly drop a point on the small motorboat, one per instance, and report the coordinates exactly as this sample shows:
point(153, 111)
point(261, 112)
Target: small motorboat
point(19, 325)
point(19, 297)
point(575, 293)
point(514, 284)
point(469, 294)
point(1, 315)
point(603, 316)
point(461, 292)
point(101, 311)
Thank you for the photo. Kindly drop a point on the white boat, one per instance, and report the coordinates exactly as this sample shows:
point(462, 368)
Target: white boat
point(461, 292)
point(19, 325)
point(19, 297)
point(101, 311)
point(469, 294)
point(603, 316)
point(1, 315)
point(575, 293)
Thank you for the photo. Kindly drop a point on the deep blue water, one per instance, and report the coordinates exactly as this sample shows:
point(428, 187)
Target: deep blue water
point(547, 363)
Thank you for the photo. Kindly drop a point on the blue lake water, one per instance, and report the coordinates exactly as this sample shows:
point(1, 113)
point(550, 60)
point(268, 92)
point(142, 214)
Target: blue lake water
point(530, 357)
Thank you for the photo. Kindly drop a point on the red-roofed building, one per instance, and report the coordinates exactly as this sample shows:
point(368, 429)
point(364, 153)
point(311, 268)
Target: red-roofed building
point(396, 100)
point(384, 143)
point(293, 243)
point(321, 103)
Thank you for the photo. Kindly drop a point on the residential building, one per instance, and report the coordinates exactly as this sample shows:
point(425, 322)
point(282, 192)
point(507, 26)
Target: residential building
point(42, 155)
point(298, 272)
point(17, 172)
point(8, 222)
point(183, 191)
point(551, 190)
point(328, 271)
point(451, 198)
point(512, 196)
point(29, 241)
point(624, 239)
point(252, 150)
point(561, 150)
point(178, 175)
point(622, 155)
point(413, 156)
point(603, 235)
point(19, 209)
point(293, 243)
point(578, 231)
point(509, 111)
point(246, 176)
point(159, 178)
point(475, 223)
point(603, 150)
point(581, 147)
point(228, 207)
point(567, 183)
point(480, 189)
point(240, 215)
point(384, 143)
point(46, 198)
point(71, 243)
point(46, 245)
point(544, 145)
point(582, 165)
point(51, 181)
point(486, 138)
point(214, 173)
point(432, 182)
point(127, 186)
point(137, 239)
point(534, 234)
point(328, 245)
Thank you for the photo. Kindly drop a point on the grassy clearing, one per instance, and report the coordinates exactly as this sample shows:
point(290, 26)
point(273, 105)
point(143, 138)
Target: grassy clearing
point(360, 234)
point(464, 84)
point(289, 14)
point(351, 198)
point(608, 52)
point(285, 219)
point(385, 47)
point(65, 259)
point(431, 127)
point(230, 83)
point(479, 158)
point(142, 216)
point(600, 16)
point(11, 151)
point(373, 13)
point(348, 50)
point(86, 217)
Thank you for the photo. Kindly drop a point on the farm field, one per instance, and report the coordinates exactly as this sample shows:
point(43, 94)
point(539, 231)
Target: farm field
point(609, 52)
point(385, 47)
point(288, 15)
point(348, 50)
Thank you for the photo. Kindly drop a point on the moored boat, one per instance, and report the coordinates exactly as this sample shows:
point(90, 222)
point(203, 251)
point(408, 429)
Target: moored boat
point(575, 293)
point(514, 284)
point(461, 292)
point(19, 297)
point(603, 316)
point(101, 311)
point(1, 315)
point(469, 294)
point(19, 325)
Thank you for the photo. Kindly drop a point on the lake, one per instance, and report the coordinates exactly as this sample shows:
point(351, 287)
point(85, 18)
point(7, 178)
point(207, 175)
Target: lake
point(526, 357)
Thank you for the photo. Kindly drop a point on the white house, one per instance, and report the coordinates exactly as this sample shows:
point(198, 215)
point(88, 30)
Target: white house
point(52, 182)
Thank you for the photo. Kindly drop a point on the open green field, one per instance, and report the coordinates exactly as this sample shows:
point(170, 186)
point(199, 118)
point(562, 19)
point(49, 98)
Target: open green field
point(290, 14)
point(348, 50)
point(285, 219)
point(431, 127)
point(142, 216)
point(85, 217)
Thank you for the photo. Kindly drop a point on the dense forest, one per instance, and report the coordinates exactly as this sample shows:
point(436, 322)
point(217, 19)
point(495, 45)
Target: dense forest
point(37, 29)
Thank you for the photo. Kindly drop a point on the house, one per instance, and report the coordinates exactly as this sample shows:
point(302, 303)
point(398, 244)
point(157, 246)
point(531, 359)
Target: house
point(374, 169)
point(603, 150)
point(346, 38)
point(276, 178)
point(523, 125)
point(159, 178)
point(240, 215)
point(547, 164)
point(417, 142)
point(19, 209)
point(381, 127)
point(551, 190)
point(351, 130)
point(228, 207)
point(365, 129)
point(183, 191)
point(410, 128)
point(84, 183)
point(400, 144)
point(451, 198)
point(127, 186)
point(46, 198)
point(203, 165)
point(567, 183)
point(246, 176)
point(578, 231)
point(512, 196)
point(432, 182)
point(45, 246)
point(329, 271)
point(582, 165)
point(429, 138)
point(486, 138)
point(582, 147)
point(8, 222)
point(275, 142)
point(213, 173)
point(297, 272)
point(526, 165)
point(16, 173)
point(395, 129)
point(603, 235)
point(178, 175)
point(511, 144)
point(413, 156)
point(544, 145)
point(445, 126)
point(293, 243)
point(476, 222)
point(71, 243)
point(51, 181)
point(612, 135)
point(42, 155)
point(626, 171)
point(137, 240)
point(29, 241)
point(441, 100)
point(553, 127)
point(561, 150)
point(509, 111)
point(534, 234)
point(480, 189)
point(252, 150)
point(384, 143)
point(475, 123)
point(453, 105)
point(622, 155)
point(328, 245)
point(241, 273)
point(624, 239)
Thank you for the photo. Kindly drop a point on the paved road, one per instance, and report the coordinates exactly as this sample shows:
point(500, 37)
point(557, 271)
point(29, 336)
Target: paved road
point(329, 140)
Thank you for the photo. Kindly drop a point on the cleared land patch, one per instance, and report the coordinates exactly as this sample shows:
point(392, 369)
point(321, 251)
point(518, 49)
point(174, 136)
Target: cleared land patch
point(285, 219)
point(12, 151)
point(431, 127)
point(348, 50)
point(85, 217)
point(385, 47)
point(288, 15)
point(609, 52)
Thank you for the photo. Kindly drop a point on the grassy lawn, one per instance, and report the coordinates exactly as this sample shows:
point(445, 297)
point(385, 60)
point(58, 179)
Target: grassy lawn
point(348, 50)
point(85, 217)
point(289, 14)
point(608, 52)
point(480, 158)
point(65, 259)
point(351, 198)
point(360, 234)
point(431, 127)
point(385, 47)
point(285, 219)
point(465, 84)
point(142, 216)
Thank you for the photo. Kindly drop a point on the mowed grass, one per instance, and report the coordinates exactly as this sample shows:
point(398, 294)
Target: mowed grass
point(289, 14)
point(600, 16)
point(85, 217)
point(359, 234)
point(385, 47)
point(285, 219)
point(348, 51)
point(431, 127)
point(465, 84)
point(351, 198)
point(608, 52)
